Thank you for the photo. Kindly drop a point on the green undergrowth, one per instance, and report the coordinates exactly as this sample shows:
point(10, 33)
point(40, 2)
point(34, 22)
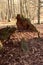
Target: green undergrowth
point(24, 45)
point(6, 32)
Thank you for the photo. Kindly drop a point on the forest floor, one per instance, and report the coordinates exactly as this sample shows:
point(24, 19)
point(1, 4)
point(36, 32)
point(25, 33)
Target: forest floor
point(4, 24)
point(15, 53)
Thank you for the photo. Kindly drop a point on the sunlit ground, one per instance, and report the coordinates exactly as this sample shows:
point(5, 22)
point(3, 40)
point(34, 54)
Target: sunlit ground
point(5, 23)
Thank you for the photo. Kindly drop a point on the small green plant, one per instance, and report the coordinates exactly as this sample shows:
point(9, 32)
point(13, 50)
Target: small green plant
point(24, 45)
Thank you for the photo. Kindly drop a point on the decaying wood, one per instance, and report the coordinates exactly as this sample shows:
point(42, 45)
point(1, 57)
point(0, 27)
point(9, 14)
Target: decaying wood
point(25, 24)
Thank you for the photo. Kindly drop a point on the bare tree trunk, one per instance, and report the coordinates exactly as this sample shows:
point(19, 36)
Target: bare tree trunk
point(26, 8)
point(38, 11)
point(1, 15)
point(8, 11)
point(21, 7)
point(13, 9)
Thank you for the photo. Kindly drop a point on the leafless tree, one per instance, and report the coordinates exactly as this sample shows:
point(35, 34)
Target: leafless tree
point(38, 11)
point(9, 14)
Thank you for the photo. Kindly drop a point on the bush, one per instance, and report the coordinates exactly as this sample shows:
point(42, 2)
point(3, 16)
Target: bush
point(6, 32)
